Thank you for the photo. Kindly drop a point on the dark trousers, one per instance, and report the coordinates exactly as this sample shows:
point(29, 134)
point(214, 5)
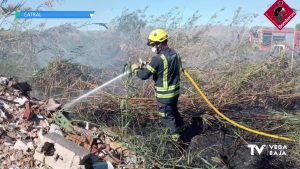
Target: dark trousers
point(170, 116)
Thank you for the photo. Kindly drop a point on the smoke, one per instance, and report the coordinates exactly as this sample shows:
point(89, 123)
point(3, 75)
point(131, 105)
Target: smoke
point(125, 41)
point(100, 49)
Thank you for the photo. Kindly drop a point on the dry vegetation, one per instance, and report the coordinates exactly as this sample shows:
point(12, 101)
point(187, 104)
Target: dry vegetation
point(245, 95)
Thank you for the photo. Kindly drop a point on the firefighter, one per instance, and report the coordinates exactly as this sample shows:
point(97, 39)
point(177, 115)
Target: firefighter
point(165, 68)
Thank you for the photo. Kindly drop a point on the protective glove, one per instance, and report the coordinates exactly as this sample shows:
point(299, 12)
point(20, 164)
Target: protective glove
point(134, 67)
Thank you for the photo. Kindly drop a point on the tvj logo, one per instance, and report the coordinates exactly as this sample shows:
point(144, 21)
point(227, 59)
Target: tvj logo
point(272, 150)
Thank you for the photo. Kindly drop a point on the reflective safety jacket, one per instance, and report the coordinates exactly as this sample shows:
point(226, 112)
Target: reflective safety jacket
point(165, 68)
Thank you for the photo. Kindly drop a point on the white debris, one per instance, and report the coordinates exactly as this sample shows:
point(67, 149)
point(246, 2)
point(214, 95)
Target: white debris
point(4, 80)
point(6, 106)
point(87, 125)
point(2, 114)
point(109, 165)
point(14, 167)
point(30, 145)
point(20, 145)
point(40, 117)
point(55, 129)
point(21, 101)
point(7, 144)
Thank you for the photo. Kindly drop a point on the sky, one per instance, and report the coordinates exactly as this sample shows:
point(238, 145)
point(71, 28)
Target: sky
point(106, 10)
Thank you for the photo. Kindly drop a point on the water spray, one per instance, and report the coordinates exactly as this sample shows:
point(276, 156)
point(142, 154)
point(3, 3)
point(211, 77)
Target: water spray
point(77, 100)
point(62, 116)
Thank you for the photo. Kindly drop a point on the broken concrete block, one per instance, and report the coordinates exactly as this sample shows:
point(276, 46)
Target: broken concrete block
point(21, 145)
point(21, 101)
point(58, 152)
point(52, 105)
point(55, 129)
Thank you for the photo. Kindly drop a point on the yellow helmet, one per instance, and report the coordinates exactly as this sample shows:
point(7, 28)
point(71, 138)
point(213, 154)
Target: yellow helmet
point(157, 36)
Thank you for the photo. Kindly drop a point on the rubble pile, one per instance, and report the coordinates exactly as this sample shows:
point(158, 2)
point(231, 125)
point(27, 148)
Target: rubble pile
point(38, 134)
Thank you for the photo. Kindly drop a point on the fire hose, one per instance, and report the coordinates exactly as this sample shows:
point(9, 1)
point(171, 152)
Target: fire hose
point(234, 123)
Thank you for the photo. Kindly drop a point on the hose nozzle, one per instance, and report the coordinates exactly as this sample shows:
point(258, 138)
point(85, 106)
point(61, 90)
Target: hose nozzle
point(142, 62)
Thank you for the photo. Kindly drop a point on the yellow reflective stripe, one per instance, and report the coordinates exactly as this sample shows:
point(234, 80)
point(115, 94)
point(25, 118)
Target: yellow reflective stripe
point(175, 137)
point(166, 96)
point(165, 74)
point(162, 114)
point(162, 89)
point(151, 69)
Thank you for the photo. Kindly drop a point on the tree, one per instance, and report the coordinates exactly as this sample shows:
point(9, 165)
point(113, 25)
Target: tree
point(130, 21)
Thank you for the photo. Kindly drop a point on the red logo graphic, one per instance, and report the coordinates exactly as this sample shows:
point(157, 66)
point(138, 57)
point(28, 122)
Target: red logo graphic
point(280, 14)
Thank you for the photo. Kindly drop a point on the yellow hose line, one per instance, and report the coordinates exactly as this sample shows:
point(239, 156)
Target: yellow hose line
point(228, 119)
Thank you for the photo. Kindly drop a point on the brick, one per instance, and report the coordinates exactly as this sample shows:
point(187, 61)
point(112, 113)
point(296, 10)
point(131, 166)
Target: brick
point(27, 115)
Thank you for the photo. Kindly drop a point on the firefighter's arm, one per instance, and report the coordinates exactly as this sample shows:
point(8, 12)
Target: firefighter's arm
point(148, 70)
